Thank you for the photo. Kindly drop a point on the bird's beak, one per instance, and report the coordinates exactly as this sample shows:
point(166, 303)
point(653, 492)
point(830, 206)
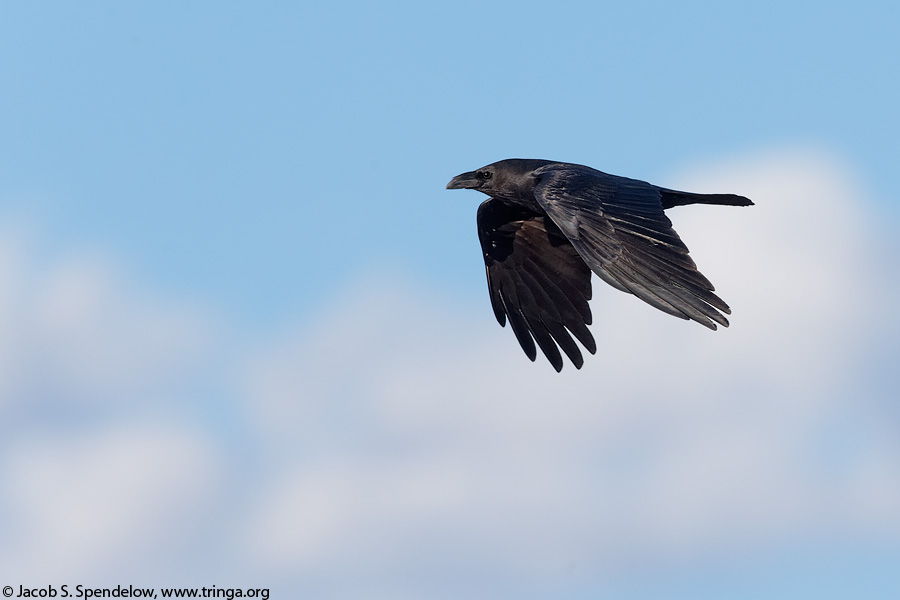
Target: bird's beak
point(464, 181)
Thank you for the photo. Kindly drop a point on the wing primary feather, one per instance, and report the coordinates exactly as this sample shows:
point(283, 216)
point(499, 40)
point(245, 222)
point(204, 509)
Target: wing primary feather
point(550, 317)
point(566, 313)
point(520, 328)
point(496, 303)
point(527, 309)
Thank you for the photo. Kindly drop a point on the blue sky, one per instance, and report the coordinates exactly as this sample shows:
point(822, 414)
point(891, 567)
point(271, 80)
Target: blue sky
point(247, 326)
point(214, 145)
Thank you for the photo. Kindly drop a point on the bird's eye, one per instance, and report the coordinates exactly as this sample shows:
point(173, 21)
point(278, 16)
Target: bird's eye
point(485, 174)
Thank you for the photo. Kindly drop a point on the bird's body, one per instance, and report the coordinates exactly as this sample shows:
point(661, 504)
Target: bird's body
point(547, 225)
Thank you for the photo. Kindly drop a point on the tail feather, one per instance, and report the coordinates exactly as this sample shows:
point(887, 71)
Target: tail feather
point(672, 198)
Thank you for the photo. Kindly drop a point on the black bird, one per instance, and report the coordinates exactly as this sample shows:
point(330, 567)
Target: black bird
point(548, 224)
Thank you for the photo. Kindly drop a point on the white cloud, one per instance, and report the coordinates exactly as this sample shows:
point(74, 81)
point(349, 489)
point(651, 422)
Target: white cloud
point(399, 439)
point(672, 440)
point(78, 503)
point(98, 466)
point(75, 328)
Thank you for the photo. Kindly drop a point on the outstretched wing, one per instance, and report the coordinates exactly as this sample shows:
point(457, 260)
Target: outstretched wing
point(619, 229)
point(537, 280)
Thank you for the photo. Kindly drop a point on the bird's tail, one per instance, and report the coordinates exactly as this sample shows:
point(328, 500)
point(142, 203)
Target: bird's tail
point(672, 198)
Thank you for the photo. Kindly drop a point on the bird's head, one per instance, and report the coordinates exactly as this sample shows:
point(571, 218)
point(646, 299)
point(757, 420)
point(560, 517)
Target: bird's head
point(507, 179)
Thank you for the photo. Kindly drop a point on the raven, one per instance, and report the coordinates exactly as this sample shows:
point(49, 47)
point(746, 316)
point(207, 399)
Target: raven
point(547, 225)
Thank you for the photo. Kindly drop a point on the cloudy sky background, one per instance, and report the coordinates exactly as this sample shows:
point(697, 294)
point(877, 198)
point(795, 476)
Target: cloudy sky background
point(245, 338)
